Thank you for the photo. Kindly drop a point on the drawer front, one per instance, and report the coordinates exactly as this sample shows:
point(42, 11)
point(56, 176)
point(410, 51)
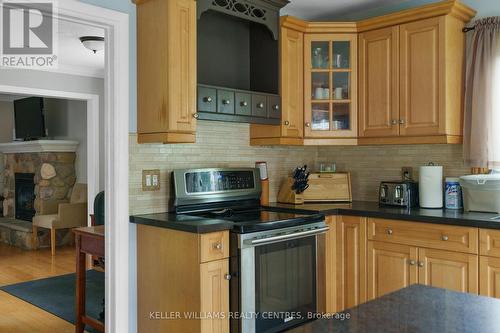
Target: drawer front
point(259, 106)
point(453, 238)
point(214, 246)
point(207, 99)
point(489, 242)
point(274, 107)
point(225, 101)
point(243, 104)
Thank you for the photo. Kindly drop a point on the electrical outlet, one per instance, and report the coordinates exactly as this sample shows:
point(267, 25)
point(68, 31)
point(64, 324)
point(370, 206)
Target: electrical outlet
point(151, 180)
point(407, 173)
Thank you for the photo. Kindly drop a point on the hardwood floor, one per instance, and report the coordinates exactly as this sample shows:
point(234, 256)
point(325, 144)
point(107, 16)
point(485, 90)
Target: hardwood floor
point(16, 265)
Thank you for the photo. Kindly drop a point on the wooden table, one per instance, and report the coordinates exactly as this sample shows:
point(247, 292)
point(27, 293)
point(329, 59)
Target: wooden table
point(88, 240)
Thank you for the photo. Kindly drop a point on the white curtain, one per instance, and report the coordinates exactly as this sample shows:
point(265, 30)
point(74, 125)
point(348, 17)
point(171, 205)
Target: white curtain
point(482, 95)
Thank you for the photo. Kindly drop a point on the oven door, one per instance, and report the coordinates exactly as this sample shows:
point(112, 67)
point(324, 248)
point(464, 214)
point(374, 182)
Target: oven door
point(279, 283)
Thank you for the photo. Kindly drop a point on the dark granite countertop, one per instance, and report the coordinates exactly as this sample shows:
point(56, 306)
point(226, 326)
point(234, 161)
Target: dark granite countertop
point(372, 209)
point(415, 309)
point(182, 222)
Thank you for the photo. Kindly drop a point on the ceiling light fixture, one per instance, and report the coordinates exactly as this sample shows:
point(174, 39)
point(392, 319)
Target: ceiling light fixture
point(93, 43)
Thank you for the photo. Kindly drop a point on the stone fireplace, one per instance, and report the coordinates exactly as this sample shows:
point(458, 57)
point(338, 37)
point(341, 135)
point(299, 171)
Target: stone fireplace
point(35, 173)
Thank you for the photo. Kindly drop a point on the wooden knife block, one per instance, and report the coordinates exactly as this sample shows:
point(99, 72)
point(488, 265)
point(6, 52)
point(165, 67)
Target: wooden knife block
point(287, 195)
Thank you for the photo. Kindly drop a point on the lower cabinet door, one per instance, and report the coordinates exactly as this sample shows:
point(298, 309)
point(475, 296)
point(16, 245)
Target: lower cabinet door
point(390, 267)
point(214, 289)
point(449, 270)
point(489, 273)
point(351, 261)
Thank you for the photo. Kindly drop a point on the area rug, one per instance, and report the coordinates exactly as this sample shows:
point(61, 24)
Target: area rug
point(57, 294)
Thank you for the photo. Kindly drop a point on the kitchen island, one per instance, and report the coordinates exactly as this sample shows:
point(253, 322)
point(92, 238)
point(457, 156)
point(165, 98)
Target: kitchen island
point(416, 308)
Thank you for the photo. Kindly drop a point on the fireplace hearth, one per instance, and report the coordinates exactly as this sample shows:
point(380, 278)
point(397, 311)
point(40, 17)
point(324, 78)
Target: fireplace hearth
point(25, 196)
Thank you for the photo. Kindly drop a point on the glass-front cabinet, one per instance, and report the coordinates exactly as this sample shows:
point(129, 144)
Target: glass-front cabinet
point(330, 66)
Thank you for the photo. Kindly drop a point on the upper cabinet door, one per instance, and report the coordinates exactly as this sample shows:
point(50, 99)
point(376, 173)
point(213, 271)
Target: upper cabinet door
point(330, 85)
point(422, 78)
point(292, 83)
point(379, 83)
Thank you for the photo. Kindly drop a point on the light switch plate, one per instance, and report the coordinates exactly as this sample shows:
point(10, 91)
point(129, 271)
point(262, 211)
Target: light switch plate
point(151, 180)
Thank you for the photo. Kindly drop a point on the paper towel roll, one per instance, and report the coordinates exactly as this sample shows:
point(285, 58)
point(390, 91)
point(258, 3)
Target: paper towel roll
point(430, 186)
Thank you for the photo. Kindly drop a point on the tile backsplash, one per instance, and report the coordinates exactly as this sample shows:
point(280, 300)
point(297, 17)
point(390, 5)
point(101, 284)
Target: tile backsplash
point(227, 145)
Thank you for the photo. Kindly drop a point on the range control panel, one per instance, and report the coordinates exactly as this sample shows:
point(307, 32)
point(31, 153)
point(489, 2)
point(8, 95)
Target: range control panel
point(219, 181)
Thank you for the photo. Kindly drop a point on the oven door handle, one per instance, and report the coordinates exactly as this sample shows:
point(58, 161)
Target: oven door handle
point(294, 235)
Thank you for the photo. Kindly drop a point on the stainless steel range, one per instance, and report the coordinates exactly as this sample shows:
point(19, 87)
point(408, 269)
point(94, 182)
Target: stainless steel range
point(274, 267)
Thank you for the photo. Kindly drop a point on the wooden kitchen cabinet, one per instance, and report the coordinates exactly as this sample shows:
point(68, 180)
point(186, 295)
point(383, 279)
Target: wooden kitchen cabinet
point(182, 272)
point(166, 71)
point(291, 129)
point(390, 267)
point(378, 80)
point(351, 261)
point(489, 275)
point(449, 270)
point(330, 86)
point(331, 265)
point(412, 76)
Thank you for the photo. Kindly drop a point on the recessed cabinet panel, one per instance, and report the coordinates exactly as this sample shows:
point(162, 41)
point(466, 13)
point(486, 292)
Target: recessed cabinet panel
point(225, 101)
point(207, 99)
point(259, 105)
point(243, 105)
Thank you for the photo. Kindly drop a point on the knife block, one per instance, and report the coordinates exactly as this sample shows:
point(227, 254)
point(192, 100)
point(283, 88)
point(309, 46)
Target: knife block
point(287, 195)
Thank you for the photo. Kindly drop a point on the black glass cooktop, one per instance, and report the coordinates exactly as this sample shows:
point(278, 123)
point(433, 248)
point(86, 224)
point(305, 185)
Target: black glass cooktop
point(259, 219)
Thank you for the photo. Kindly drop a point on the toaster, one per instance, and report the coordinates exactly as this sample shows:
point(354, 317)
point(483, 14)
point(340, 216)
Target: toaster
point(401, 193)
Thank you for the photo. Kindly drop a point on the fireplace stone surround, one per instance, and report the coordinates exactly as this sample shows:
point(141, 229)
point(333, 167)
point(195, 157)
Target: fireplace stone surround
point(53, 164)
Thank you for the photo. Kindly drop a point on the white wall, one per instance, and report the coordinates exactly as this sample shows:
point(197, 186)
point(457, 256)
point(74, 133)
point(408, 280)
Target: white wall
point(67, 120)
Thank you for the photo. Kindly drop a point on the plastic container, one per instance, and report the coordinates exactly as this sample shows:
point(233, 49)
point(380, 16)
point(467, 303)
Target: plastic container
point(452, 193)
point(481, 193)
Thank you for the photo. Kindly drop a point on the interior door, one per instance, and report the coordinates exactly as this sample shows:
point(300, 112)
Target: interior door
point(449, 270)
point(292, 83)
point(379, 83)
point(390, 267)
point(422, 110)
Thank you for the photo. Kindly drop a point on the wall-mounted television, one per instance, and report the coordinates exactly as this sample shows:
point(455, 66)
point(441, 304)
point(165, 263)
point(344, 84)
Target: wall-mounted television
point(29, 118)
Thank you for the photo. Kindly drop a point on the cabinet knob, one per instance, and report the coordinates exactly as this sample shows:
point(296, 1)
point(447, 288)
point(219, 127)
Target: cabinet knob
point(276, 107)
point(401, 121)
point(218, 246)
point(227, 277)
point(260, 105)
point(226, 101)
point(244, 103)
point(196, 116)
point(394, 122)
point(389, 231)
point(445, 238)
point(207, 99)
point(286, 123)
point(308, 124)
point(412, 262)
point(420, 264)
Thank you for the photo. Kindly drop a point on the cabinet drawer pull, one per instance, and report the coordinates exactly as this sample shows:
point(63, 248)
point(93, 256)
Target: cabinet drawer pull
point(308, 124)
point(394, 122)
point(445, 238)
point(420, 264)
point(260, 105)
point(286, 123)
point(226, 101)
point(207, 99)
point(244, 103)
point(276, 107)
point(412, 262)
point(218, 246)
point(401, 121)
point(390, 232)
point(196, 116)
point(227, 277)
